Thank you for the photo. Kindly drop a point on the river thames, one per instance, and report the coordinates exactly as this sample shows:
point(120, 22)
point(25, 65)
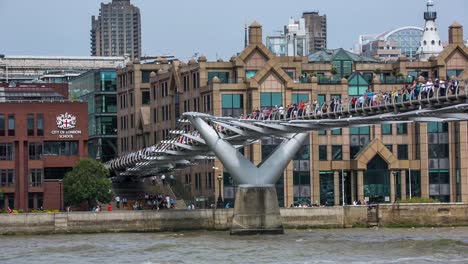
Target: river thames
point(420, 245)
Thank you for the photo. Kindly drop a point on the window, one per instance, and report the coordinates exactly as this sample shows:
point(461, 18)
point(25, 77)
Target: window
point(6, 151)
point(145, 97)
point(322, 152)
point(207, 103)
point(145, 76)
point(56, 173)
point(30, 124)
point(61, 148)
point(389, 147)
point(402, 152)
point(437, 127)
point(222, 76)
point(439, 185)
point(301, 187)
point(131, 99)
point(250, 73)
point(155, 115)
point(402, 128)
point(336, 131)
point(2, 125)
point(358, 84)
point(359, 138)
point(297, 98)
point(196, 80)
point(232, 104)
point(11, 125)
point(269, 99)
point(35, 151)
point(337, 153)
point(40, 125)
point(413, 183)
point(132, 122)
point(7, 177)
point(386, 129)
point(35, 177)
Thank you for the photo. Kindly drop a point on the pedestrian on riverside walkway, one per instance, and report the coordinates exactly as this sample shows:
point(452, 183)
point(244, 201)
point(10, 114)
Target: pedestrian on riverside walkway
point(171, 179)
point(163, 179)
point(117, 201)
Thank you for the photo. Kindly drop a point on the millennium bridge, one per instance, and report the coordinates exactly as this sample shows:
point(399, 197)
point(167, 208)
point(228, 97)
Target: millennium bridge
point(212, 136)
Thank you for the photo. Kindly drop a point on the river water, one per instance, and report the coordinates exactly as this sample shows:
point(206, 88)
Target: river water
point(420, 245)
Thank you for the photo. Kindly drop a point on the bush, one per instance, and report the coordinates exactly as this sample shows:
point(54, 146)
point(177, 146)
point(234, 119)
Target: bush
point(419, 200)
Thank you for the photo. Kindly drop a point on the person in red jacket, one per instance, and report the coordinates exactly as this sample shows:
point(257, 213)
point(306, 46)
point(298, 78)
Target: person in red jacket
point(109, 207)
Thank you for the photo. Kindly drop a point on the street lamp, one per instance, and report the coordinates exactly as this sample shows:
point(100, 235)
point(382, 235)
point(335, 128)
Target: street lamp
point(60, 185)
point(220, 203)
point(343, 175)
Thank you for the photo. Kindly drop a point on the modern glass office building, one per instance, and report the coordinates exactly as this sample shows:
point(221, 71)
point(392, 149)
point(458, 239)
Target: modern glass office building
point(98, 89)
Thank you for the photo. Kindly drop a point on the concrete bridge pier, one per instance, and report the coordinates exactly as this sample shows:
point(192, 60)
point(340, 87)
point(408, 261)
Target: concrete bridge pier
point(256, 211)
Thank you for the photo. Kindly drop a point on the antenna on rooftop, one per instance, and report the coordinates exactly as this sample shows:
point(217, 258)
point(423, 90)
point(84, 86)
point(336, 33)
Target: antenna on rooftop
point(245, 33)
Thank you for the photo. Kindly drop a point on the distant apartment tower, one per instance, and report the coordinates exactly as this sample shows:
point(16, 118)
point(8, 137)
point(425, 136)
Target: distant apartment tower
point(117, 30)
point(316, 26)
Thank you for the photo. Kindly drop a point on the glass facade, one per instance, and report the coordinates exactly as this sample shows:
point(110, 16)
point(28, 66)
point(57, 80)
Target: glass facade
point(359, 137)
point(357, 85)
point(327, 188)
point(301, 175)
point(438, 154)
point(222, 76)
point(377, 181)
point(98, 89)
point(270, 99)
point(232, 104)
point(407, 40)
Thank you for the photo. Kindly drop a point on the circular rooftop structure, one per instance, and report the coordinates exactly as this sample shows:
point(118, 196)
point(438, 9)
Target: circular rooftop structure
point(407, 38)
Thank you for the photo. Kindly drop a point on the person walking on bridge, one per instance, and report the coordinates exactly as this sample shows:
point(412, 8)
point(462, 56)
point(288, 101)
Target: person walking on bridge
point(163, 179)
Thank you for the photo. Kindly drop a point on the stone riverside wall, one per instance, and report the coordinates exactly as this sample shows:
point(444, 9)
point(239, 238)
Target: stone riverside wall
point(174, 220)
point(440, 214)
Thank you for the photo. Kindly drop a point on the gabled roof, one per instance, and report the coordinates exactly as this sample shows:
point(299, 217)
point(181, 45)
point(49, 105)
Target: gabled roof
point(376, 147)
point(328, 55)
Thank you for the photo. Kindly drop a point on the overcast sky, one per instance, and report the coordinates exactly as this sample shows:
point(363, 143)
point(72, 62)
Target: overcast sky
point(211, 27)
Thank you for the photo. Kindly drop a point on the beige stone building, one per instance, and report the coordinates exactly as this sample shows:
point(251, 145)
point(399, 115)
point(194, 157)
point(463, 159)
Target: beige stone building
point(376, 163)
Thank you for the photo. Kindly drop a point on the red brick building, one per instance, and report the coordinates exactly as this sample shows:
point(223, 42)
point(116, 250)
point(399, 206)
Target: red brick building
point(39, 143)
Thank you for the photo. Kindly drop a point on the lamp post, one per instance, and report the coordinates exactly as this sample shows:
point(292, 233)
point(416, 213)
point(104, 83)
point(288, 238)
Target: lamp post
point(60, 185)
point(220, 203)
point(343, 175)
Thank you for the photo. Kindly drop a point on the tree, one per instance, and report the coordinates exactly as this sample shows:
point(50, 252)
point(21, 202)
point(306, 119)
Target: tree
point(88, 181)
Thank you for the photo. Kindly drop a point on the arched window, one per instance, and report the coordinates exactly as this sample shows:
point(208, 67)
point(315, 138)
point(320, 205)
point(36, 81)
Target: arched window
point(440, 43)
point(425, 43)
point(433, 42)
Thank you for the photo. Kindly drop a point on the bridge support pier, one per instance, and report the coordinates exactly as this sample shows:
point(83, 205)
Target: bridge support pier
point(256, 211)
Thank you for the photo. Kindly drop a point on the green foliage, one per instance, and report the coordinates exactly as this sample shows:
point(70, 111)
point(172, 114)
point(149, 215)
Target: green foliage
point(333, 71)
point(377, 71)
point(88, 181)
point(419, 200)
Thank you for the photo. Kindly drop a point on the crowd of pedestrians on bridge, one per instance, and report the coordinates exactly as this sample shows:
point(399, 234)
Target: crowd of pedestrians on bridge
point(413, 92)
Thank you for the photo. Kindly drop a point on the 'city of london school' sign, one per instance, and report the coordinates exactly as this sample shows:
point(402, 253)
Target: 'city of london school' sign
point(66, 124)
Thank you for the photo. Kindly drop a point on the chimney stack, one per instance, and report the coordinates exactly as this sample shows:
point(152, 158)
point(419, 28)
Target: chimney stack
point(456, 34)
point(255, 33)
